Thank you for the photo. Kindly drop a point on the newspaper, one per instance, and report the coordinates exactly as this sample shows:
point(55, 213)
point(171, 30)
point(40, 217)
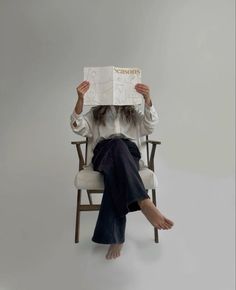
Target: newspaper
point(110, 85)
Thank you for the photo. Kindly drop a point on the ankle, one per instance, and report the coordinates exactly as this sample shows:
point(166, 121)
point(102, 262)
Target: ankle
point(143, 202)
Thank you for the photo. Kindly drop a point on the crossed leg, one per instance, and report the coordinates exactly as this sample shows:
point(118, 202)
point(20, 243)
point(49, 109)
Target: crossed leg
point(119, 164)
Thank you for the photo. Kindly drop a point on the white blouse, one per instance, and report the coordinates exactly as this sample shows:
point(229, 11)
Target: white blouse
point(115, 125)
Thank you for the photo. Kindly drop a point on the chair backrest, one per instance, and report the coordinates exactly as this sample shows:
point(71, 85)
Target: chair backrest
point(143, 150)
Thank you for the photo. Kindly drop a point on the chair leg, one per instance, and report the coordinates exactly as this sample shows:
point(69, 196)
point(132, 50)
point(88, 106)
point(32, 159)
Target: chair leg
point(77, 223)
point(156, 238)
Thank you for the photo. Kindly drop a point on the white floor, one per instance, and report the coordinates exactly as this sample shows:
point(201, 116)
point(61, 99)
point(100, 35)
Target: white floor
point(37, 247)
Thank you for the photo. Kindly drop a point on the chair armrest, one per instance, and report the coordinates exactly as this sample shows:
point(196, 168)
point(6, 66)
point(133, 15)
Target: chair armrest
point(78, 142)
point(153, 141)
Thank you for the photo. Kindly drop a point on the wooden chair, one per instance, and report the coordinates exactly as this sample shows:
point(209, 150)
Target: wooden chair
point(86, 178)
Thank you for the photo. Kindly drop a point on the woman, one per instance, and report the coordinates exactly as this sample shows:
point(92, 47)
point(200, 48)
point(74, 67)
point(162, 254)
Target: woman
point(115, 131)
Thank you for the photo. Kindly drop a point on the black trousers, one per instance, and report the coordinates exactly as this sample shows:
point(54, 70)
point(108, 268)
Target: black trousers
point(118, 160)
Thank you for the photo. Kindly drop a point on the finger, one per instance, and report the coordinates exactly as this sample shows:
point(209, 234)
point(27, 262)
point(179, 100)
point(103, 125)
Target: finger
point(141, 86)
point(143, 91)
point(83, 91)
point(82, 85)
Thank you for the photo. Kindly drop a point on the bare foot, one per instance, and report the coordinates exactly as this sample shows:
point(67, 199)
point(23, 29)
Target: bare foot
point(155, 217)
point(114, 251)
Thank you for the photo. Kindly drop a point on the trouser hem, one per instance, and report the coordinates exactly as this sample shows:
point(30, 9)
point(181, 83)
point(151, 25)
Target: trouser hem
point(106, 242)
point(135, 200)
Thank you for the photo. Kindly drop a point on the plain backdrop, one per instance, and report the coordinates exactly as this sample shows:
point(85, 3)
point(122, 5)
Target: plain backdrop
point(185, 49)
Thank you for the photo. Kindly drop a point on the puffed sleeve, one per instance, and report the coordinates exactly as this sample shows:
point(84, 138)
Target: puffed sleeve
point(147, 120)
point(84, 123)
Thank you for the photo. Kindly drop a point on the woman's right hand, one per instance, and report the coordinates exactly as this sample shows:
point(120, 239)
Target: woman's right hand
point(82, 88)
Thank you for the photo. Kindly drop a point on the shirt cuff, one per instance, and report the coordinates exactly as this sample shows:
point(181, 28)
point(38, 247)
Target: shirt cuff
point(75, 115)
point(149, 108)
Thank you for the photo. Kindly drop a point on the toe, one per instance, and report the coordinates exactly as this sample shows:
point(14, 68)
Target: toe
point(164, 226)
point(108, 255)
point(169, 222)
point(158, 227)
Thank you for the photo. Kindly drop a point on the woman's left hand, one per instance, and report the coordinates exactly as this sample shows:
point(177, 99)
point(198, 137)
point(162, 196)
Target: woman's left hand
point(144, 90)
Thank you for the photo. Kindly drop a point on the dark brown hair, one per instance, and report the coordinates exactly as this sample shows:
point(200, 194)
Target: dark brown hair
point(127, 112)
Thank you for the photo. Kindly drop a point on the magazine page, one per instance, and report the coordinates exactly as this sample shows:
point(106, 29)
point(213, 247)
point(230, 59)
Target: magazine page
point(110, 85)
point(124, 81)
point(100, 91)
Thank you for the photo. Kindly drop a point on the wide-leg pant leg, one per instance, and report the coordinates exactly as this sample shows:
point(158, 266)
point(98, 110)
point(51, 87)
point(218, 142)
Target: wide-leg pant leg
point(110, 228)
point(118, 160)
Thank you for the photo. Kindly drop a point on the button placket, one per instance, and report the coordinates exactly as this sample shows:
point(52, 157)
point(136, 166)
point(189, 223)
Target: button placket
point(118, 122)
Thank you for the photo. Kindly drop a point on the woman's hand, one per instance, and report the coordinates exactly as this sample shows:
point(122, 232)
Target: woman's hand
point(145, 91)
point(82, 88)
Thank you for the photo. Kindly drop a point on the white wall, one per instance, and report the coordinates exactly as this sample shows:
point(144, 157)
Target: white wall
point(186, 52)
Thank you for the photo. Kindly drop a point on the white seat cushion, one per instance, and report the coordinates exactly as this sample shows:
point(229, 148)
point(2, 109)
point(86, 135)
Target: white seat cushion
point(88, 178)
